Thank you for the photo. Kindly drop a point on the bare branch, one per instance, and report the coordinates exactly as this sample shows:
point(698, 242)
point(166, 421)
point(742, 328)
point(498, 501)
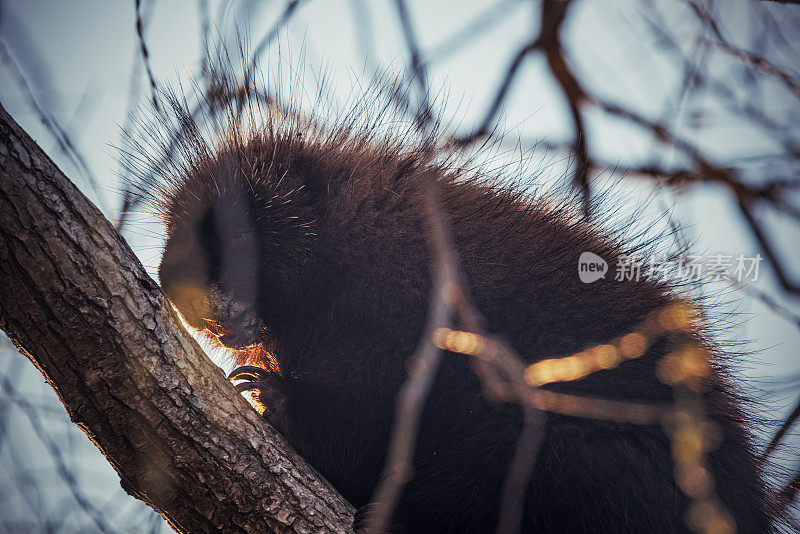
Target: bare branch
point(62, 138)
point(779, 435)
point(423, 368)
point(749, 58)
point(418, 70)
point(746, 210)
point(146, 55)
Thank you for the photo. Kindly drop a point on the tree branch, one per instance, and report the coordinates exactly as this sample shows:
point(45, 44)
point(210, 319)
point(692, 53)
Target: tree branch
point(76, 301)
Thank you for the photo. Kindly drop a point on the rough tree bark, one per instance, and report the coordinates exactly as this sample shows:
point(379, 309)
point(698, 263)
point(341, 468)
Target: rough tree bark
point(76, 301)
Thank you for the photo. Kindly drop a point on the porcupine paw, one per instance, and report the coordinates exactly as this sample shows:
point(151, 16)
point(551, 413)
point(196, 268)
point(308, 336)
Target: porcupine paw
point(266, 390)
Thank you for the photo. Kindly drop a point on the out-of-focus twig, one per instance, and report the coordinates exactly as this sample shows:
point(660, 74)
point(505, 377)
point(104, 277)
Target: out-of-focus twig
point(761, 63)
point(779, 435)
point(422, 370)
point(554, 13)
point(146, 55)
point(746, 209)
point(62, 138)
point(418, 69)
point(56, 453)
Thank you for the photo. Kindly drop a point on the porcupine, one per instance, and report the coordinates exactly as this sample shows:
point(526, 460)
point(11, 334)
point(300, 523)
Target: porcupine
point(300, 245)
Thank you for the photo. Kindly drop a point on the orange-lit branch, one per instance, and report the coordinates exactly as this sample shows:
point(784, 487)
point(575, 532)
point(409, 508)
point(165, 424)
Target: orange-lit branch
point(693, 436)
point(679, 316)
point(600, 409)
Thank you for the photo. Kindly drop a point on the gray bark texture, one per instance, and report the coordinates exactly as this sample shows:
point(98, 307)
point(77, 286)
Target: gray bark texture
point(76, 301)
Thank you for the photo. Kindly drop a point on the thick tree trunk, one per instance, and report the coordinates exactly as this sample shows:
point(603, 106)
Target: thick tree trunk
point(76, 301)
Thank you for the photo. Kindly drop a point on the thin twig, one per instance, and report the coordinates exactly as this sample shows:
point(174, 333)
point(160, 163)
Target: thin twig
point(146, 55)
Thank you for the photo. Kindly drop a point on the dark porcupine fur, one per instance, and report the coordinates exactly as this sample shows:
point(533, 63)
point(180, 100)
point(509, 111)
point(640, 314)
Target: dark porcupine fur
point(299, 242)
